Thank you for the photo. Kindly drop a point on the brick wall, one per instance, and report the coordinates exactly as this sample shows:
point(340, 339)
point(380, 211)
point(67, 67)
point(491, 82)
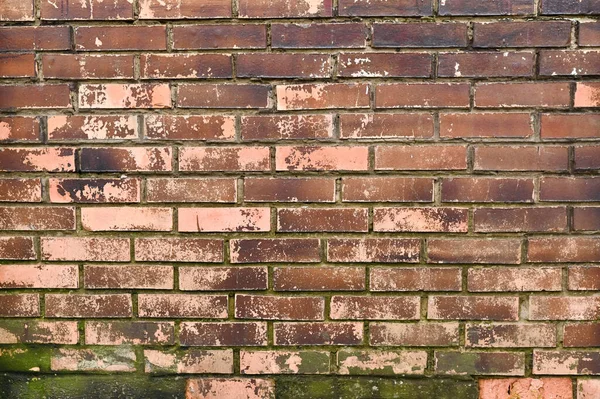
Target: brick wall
point(300, 199)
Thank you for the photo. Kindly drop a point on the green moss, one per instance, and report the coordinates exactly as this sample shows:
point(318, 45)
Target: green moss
point(25, 359)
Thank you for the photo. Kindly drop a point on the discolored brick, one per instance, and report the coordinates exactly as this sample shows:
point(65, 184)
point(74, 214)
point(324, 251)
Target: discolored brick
point(487, 189)
point(546, 219)
point(420, 34)
point(374, 308)
point(564, 249)
point(486, 64)
point(284, 65)
point(498, 279)
point(93, 249)
point(223, 334)
point(474, 250)
point(94, 190)
point(422, 95)
point(128, 277)
point(385, 65)
point(494, 308)
point(510, 335)
point(179, 250)
point(323, 220)
point(185, 66)
point(261, 189)
point(222, 36)
point(191, 190)
point(129, 333)
point(88, 306)
point(387, 189)
point(91, 127)
point(479, 363)
point(485, 125)
point(184, 9)
point(379, 250)
point(318, 278)
point(223, 96)
point(415, 279)
point(126, 159)
point(386, 126)
point(318, 334)
point(222, 278)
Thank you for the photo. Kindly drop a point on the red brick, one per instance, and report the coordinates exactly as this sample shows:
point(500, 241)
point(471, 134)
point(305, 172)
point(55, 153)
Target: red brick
point(23, 38)
point(384, 65)
point(570, 126)
point(182, 306)
point(20, 305)
point(415, 279)
point(129, 96)
point(323, 96)
point(514, 220)
point(179, 250)
point(587, 95)
point(197, 37)
point(316, 158)
point(474, 250)
point(14, 65)
point(185, 66)
point(584, 278)
point(487, 189)
point(279, 307)
point(422, 95)
point(98, 360)
point(414, 334)
point(387, 189)
point(127, 219)
point(486, 64)
point(543, 388)
point(589, 33)
point(94, 190)
point(207, 159)
point(423, 157)
point(261, 189)
point(498, 279)
point(17, 10)
point(284, 362)
point(86, 10)
point(476, 7)
point(125, 159)
point(128, 277)
point(35, 96)
point(374, 308)
point(479, 363)
point(569, 62)
point(224, 219)
point(88, 306)
point(223, 334)
point(378, 250)
point(39, 276)
point(287, 127)
point(91, 127)
point(385, 8)
point(190, 127)
point(285, 9)
point(485, 125)
point(209, 388)
point(320, 220)
point(510, 95)
point(422, 34)
point(522, 34)
point(47, 159)
point(318, 334)
point(284, 65)
point(450, 220)
point(96, 249)
point(566, 362)
point(191, 190)
point(564, 308)
point(39, 332)
point(379, 362)
point(19, 128)
point(304, 250)
point(319, 278)
point(37, 218)
point(17, 248)
point(521, 158)
point(118, 38)
point(569, 188)
point(223, 96)
point(222, 278)
point(20, 190)
point(129, 333)
point(495, 308)
point(554, 7)
point(319, 35)
point(510, 335)
point(411, 126)
point(191, 361)
point(186, 9)
point(564, 249)
point(581, 335)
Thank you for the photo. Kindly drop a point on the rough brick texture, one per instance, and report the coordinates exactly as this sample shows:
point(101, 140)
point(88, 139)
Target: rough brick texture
point(300, 199)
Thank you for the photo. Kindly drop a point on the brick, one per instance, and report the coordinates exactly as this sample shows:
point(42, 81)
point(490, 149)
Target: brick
point(192, 361)
point(207, 159)
point(14, 65)
point(213, 388)
point(553, 7)
point(128, 96)
point(485, 125)
point(287, 127)
point(125, 159)
point(223, 334)
point(182, 306)
point(186, 9)
point(474, 250)
point(19, 128)
point(179, 250)
point(92, 127)
point(569, 62)
point(35, 96)
point(543, 388)
point(422, 95)
point(318, 278)
point(261, 189)
point(569, 188)
point(20, 305)
point(522, 34)
point(587, 94)
point(384, 8)
point(588, 389)
point(19, 10)
point(92, 249)
point(222, 278)
point(479, 363)
point(129, 333)
point(510, 95)
point(20, 190)
point(86, 10)
point(451, 220)
point(191, 190)
point(420, 157)
point(319, 35)
point(285, 9)
point(422, 34)
point(485, 189)
point(413, 126)
point(414, 334)
point(376, 362)
point(120, 38)
point(486, 64)
point(39, 276)
point(284, 65)
point(94, 190)
point(127, 219)
point(521, 158)
point(570, 126)
point(498, 279)
point(223, 96)
point(318, 158)
point(88, 306)
point(510, 335)
point(190, 127)
point(224, 219)
point(379, 250)
point(39, 332)
point(546, 219)
point(323, 96)
point(17, 248)
point(23, 38)
point(564, 249)
point(564, 308)
point(493, 308)
point(302, 334)
point(584, 278)
point(306, 220)
point(387, 189)
point(185, 66)
point(284, 362)
point(97, 359)
point(48, 159)
point(128, 277)
point(384, 65)
point(278, 307)
point(475, 7)
point(374, 308)
point(581, 335)
point(415, 279)
point(197, 37)
point(37, 218)
point(566, 362)
point(589, 33)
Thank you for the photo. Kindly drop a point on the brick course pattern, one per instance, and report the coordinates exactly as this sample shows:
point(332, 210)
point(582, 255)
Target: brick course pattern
point(300, 199)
